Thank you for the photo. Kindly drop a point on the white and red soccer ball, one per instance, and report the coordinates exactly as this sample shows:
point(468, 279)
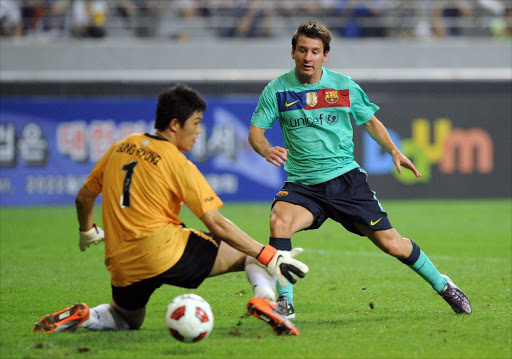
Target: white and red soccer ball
point(189, 318)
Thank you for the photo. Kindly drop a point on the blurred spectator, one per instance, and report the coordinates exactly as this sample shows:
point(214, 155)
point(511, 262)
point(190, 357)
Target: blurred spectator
point(88, 18)
point(306, 9)
point(44, 16)
point(219, 16)
point(59, 14)
point(497, 17)
point(411, 19)
point(448, 17)
point(126, 11)
point(141, 15)
point(321, 8)
point(241, 18)
point(184, 20)
point(292, 8)
point(501, 27)
point(494, 7)
point(405, 19)
point(124, 19)
point(149, 14)
point(289, 13)
point(206, 19)
point(33, 15)
point(10, 19)
point(255, 20)
point(362, 18)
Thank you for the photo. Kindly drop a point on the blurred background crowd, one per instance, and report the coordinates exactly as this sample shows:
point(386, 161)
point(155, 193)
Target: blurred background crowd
point(189, 20)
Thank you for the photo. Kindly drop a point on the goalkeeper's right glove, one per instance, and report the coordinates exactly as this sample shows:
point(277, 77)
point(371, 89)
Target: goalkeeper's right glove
point(281, 264)
point(94, 235)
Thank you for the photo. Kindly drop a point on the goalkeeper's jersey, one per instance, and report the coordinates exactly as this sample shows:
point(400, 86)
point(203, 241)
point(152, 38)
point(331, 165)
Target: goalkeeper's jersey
point(145, 180)
point(315, 123)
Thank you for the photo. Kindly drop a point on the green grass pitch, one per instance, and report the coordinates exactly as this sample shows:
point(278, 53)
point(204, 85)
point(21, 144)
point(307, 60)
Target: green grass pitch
point(355, 302)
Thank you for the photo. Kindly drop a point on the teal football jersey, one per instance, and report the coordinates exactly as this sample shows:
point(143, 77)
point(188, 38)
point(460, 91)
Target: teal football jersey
point(315, 122)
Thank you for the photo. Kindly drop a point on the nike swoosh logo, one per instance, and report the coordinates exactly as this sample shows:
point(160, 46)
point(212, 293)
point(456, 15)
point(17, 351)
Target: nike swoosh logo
point(289, 104)
point(374, 223)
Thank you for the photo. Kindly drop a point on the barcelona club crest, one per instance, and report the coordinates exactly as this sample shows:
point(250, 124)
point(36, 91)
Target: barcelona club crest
point(311, 99)
point(331, 96)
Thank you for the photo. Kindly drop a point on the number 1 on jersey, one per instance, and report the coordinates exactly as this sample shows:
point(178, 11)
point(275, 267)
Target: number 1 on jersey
point(125, 196)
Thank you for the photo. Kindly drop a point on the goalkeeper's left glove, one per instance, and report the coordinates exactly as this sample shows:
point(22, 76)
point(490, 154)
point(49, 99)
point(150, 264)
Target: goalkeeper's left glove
point(94, 235)
point(281, 264)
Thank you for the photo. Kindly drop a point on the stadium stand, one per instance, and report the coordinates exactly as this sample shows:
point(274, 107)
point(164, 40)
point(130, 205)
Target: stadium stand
point(184, 20)
point(150, 42)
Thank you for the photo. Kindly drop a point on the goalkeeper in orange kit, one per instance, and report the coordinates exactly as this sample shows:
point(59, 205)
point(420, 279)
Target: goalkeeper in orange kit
point(145, 178)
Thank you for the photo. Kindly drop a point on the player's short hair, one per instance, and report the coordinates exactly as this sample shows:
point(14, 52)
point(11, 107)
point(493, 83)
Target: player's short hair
point(178, 102)
point(313, 30)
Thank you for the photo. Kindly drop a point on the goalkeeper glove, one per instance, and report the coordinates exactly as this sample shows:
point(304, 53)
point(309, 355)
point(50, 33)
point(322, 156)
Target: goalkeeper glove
point(281, 264)
point(94, 235)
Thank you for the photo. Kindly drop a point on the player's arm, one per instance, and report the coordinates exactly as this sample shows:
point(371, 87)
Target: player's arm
point(229, 232)
point(84, 203)
point(274, 154)
point(380, 134)
point(278, 263)
point(89, 233)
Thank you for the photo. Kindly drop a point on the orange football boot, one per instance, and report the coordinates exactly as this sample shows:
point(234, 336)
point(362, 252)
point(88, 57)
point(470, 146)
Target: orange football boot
point(267, 311)
point(68, 319)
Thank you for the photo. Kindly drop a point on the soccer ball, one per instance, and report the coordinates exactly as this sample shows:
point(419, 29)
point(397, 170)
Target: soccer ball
point(189, 318)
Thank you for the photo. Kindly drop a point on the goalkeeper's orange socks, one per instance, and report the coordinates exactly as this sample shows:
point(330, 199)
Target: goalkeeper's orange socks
point(420, 263)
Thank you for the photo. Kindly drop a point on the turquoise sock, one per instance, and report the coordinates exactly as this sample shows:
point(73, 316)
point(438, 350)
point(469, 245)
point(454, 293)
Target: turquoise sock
point(283, 244)
point(286, 290)
point(428, 271)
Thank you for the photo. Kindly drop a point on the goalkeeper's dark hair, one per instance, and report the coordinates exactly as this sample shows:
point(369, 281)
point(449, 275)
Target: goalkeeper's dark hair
point(178, 102)
point(313, 30)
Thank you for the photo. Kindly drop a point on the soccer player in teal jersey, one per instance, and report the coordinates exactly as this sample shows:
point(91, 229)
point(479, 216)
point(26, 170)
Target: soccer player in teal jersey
point(314, 106)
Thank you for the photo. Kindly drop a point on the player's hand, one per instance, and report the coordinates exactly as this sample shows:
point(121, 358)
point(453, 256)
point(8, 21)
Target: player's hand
point(277, 156)
point(94, 235)
point(401, 161)
point(281, 264)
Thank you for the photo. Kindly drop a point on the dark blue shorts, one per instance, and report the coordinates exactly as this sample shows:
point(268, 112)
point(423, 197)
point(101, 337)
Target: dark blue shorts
point(190, 271)
point(346, 199)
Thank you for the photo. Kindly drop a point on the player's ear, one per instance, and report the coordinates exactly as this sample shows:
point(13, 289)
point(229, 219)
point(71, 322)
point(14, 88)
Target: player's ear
point(174, 125)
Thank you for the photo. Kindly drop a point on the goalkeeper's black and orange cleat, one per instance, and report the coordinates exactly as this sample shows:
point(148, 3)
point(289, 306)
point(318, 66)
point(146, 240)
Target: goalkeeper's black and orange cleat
point(69, 319)
point(267, 311)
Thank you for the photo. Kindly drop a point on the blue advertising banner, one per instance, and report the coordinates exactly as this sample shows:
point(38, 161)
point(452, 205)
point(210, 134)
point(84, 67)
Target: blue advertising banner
point(49, 146)
point(458, 138)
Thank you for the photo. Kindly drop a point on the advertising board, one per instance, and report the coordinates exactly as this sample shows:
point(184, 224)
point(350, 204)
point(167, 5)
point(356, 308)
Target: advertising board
point(459, 140)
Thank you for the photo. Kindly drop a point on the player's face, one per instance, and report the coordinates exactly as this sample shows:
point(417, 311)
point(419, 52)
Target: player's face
point(189, 132)
point(309, 57)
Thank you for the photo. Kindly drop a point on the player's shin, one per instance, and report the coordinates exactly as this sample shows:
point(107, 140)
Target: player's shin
point(286, 291)
point(284, 244)
point(262, 282)
point(420, 263)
